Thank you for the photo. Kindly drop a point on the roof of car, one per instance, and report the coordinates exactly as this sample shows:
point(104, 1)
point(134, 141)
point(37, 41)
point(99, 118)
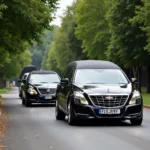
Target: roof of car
point(43, 72)
point(94, 64)
point(26, 69)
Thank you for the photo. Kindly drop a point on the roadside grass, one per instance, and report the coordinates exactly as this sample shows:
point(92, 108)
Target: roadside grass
point(146, 99)
point(4, 90)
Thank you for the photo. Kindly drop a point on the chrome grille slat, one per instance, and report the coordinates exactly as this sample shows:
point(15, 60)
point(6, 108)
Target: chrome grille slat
point(118, 100)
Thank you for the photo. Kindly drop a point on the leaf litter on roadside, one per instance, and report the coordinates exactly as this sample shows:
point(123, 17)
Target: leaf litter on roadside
point(3, 125)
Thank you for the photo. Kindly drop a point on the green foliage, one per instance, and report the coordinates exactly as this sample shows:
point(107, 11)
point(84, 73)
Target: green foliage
point(66, 47)
point(16, 63)
point(92, 27)
point(146, 99)
point(127, 39)
point(37, 58)
point(38, 49)
point(51, 63)
point(3, 91)
point(144, 90)
point(143, 17)
point(2, 7)
point(22, 22)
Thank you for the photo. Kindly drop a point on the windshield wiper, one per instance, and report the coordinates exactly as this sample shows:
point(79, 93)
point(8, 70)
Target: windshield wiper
point(43, 82)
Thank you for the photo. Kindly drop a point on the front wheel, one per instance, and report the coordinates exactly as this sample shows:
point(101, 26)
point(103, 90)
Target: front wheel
point(27, 103)
point(136, 122)
point(58, 113)
point(23, 101)
point(72, 119)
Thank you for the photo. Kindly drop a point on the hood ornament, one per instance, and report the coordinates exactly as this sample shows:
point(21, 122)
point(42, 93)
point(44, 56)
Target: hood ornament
point(109, 98)
point(48, 90)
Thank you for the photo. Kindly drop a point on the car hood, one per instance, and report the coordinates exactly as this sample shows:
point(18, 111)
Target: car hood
point(46, 85)
point(105, 88)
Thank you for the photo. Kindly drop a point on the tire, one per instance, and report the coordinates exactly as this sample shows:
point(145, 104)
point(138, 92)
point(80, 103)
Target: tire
point(136, 122)
point(72, 119)
point(23, 103)
point(20, 95)
point(27, 103)
point(58, 113)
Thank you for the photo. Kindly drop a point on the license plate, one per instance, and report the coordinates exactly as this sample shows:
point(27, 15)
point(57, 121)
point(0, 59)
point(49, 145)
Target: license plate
point(48, 97)
point(109, 111)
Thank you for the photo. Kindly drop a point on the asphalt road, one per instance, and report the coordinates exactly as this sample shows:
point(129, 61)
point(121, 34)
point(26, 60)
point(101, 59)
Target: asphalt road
point(35, 128)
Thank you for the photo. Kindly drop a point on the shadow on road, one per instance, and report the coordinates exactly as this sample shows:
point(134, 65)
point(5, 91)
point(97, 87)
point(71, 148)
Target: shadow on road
point(101, 123)
point(42, 105)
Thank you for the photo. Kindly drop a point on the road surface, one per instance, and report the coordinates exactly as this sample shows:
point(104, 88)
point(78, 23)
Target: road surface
point(35, 128)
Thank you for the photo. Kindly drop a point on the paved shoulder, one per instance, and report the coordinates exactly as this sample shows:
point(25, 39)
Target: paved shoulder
point(35, 128)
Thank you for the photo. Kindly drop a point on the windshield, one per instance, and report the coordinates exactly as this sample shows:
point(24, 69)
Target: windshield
point(100, 76)
point(44, 78)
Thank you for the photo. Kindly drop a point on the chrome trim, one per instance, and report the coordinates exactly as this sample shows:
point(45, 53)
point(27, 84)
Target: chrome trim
point(106, 95)
point(45, 89)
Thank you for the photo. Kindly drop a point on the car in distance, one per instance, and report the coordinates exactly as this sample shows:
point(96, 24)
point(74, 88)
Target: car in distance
point(97, 89)
point(40, 87)
point(26, 69)
point(24, 77)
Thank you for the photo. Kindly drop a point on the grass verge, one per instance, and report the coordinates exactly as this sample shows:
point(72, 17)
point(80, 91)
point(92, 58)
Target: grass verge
point(4, 90)
point(146, 99)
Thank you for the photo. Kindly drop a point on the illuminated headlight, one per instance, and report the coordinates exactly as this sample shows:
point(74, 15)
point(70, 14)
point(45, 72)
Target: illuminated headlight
point(32, 91)
point(80, 99)
point(136, 98)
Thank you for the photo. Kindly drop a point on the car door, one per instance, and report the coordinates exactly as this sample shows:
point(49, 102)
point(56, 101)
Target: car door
point(65, 88)
point(62, 90)
point(68, 87)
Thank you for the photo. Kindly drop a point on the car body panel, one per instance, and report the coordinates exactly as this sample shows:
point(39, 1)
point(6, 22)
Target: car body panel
point(107, 92)
point(43, 90)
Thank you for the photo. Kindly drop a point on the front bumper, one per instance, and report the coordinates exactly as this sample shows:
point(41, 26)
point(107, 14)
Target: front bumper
point(126, 112)
point(47, 98)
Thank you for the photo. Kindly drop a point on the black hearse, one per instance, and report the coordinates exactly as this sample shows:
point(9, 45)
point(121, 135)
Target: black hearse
point(40, 87)
point(97, 89)
point(23, 75)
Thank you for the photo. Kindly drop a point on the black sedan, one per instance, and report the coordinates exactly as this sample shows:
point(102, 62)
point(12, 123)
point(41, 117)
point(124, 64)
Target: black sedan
point(98, 89)
point(40, 87)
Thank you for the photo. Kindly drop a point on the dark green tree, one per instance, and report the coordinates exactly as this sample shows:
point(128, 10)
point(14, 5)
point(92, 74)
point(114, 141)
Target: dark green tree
point(92, 26)
point(127, 40)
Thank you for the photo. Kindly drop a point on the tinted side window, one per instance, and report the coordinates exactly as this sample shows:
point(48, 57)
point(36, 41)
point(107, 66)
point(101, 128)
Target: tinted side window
point(25, 77)
point(66, 74)
point(71, 74)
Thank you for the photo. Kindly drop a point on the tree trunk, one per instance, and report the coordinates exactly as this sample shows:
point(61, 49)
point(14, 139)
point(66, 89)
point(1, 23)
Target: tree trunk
point(2, 84)
point(139, 78)
point(148, 82)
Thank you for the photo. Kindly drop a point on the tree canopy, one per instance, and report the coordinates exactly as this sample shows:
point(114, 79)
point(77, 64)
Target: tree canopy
point(21, 23)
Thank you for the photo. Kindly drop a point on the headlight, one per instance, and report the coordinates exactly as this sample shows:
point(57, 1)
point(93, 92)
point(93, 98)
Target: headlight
point(80, 99)
point(136, 98)
point(32, 91)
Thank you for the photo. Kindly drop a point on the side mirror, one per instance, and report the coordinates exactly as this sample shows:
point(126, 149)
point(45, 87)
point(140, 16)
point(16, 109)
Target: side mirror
point(24, 81)
point(134, 80)
point(65, 81)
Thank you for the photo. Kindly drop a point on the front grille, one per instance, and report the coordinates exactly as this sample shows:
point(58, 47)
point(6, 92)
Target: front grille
point(47, 91)
point(109, 100)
